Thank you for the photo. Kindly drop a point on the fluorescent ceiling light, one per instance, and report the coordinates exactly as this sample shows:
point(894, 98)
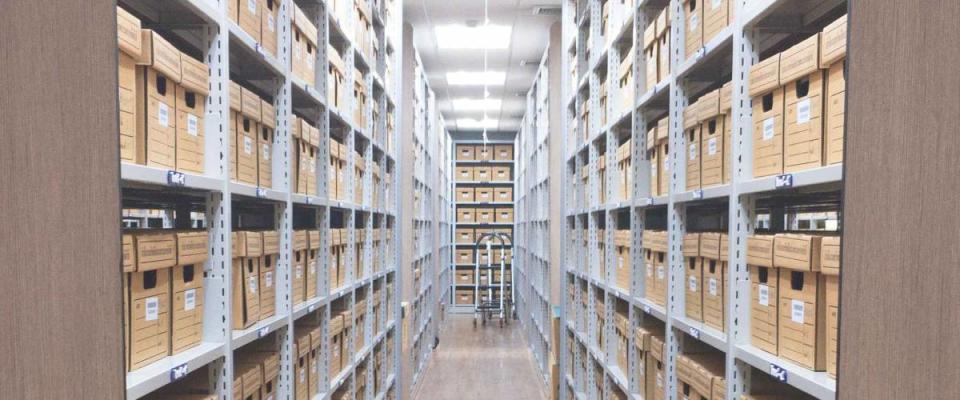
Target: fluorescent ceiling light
point(462, 78)
point(470, 123)
point(476, 104)
point(474, 38)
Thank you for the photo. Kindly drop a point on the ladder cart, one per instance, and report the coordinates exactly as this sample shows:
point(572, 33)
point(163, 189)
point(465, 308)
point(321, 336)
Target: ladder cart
point(499, 307)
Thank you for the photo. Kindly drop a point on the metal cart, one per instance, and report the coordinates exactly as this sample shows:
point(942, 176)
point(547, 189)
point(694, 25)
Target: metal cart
point(500, 307)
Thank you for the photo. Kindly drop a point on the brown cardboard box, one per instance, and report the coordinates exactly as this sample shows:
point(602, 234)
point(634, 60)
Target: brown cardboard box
point(149, 305)
point(656, 369)
point(830, 267)
point(191, 108)
point(504, 215)
point(335, 257)
point(187, 308)
point(651, 58)
point(191, 247)
point(464, 296)
point(484, 195)
point(269, 18)
point(129, 44)
point(250, 377)
point(336, 77)
point(712, 139)
point(301, 364)
point(833, 52)
point(663, 158)
point(503, 152)
point(360, 96)
point(764, 282)
point(483, 152)
point(313, 263)
point(802, 299)
point(483, 174)
point(465, 152)
point(641, 341)
point(465, 195)
point(249, 17)
point(314, 373)
point(501, 174)
point(715, 18)
point(693, 29)
point(726, 105)
point(625, 170)
point(691, 137)
point(465, 236)
point(714, 280)
point(485, 215)
point(156, 87)
point(336, 345)
point(802, 82)
point(235, 105)
point(719, 391)
point(129, 253)
point(503, 194)
point(624, 275)
point(245, 289)
point(271, 242)
point(466, 215)
point(267, 285)
point(465, 174)
point(265, 144)
point(693, 303)
point(155, 250)
point(464, 256)
point(304, 47)
point(767, 97)
point(248, 127)
point(653, 154)
point(465, 277)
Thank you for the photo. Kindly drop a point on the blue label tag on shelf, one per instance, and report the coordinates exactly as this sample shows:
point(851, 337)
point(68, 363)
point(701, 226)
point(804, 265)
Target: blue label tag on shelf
point(175, 178)
point(778, 372)
point(178, 372)
point(783, 181)
point(700, 53)
point(697, 194)
point(695, 333)
point(646, 309)
point(648, 201)
point(309, 200)
point(260, 51)
point(263, 331)
point(311, 308)
point(261, 192)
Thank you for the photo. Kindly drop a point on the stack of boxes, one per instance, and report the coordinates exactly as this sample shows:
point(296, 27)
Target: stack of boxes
point(713, 253)
point(799, 322)
point(259, 19)
point(337, 90)
point(798, 98)
point(691, 137)
point(622, 241)
point(257, 371)
point(298, 277)
point(701, 376)
point(360, 96)
point(623, 332)
point(163, 293)
point(625, 80)
point(656, 49)
point(625, 171)
point(363, 30)
point(704, 21)
point(655, 370)
point(253, 121)
point(305, 143)
point(655, 258)
point(693, 270)
point(658, 152)
point(162, 98)
point(254, 286)
point(303, 47)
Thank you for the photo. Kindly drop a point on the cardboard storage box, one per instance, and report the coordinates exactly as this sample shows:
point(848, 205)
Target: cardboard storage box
point(830, 268)
point(726, 109)
point(336, 78)
point(504, 215)
point(624, 268)
point(304, 48)
point(801, 334)
point(299, 261)
point(485, 215)
point(267, 285)
point(191, 105)
point(147, 298)
point(464, 297)
point(503, 152)
point(465, 236)
point(466, 215)
point(484, 195)
point(653, 153)
point(483, 152)
point(693, 302)
point(715, 18)
point(802, 82)
point(625, 171)
point(187, 291)
point(503, 194)
point(501, 174)
point(465, 277)
point(156, 86)
point(245, 292)
point(663, 43)
point(268, 118)
point(301, 363)
point(129, 45)
point(693, 31)
point(656, 384)
point(465, 174)
point(663, 156)
point(248, 128)
point(651, 58)
point(483, 174)
point(247, 380)
point(465, 195)
point(269, 17)
point(764, 284)
point(711, 139)
point(465, 152)
point(767, 95)
point(691, 138)
point(249, 17)
point(714, 280)
point(833, 52)
point(641, 343)
point(313, 266)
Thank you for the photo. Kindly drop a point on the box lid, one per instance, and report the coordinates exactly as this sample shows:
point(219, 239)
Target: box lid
point(726, 97)
point(709, 105)
point(830, 255)
point(663, 21)
point(268, 114)
point(800, 60)
point(155, 250)
point(306, 27)
point(651, 138)
point(157, 53)
point(650, 34)
point(194, 74)
point(313, 239)
point(236, 96)
point(663, 128)
point(691, 244)
point(271, 242)
point(249, 244)
point(128, 33)
point(691, 115)
point(250, 104)
point(760, 250)
point(191, 247)
point(765, 76)
point(710, 245)
point(795, 251)
point(299, 240)
point(833, 42)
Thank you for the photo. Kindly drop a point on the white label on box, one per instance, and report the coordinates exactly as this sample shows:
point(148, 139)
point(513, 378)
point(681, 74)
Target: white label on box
point(252, 6)
point(650, 270)
point(796, 311)
point(253, 284)
point(313, 268)
point(768, 129)
point(803, 111)
point(268, 279)
point(714, 4)
point(163, 114)
point(713, 286)
point(660, 272)
point(763, 295)
point(653, 170)
point(666, 162)
point(313, 168)
point(296, 53)
point(694, 22)
point(247, 145)
point(192, 125)
point(266, 152)
point(620, 263)
point(712, 146)
point(189, 299)
point(693, 152)
point(151, 308)
point(303, 375)
point(692, 282)
point(659, 380)
point(270, 22)
point(299, 271)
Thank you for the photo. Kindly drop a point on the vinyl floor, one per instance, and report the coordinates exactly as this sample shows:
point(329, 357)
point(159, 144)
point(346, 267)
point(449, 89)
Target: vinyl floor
point(486, 362)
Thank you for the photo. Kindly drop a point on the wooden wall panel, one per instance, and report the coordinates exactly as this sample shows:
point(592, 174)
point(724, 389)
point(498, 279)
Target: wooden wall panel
point(900, 297)
point(60, 309)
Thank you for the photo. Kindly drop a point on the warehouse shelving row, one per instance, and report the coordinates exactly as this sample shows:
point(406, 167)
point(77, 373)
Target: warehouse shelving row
point(203, 29)
point(466, 291)
point(431, 191)
point(609, 202)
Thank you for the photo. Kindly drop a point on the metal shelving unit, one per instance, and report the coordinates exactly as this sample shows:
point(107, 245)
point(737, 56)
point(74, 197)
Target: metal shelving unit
point(202, 26)
point(757, 29)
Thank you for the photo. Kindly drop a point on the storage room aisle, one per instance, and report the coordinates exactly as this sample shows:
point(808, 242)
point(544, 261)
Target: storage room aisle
point(483, 362)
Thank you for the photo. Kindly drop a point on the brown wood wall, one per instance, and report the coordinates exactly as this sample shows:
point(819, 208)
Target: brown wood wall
point(900, 297)
point(60, 308)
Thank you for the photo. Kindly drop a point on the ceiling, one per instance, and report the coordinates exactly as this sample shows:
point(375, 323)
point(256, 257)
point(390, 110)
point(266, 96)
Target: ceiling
point(528, 40)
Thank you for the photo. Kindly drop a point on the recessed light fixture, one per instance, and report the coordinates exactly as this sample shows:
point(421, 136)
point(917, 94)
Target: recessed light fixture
point(471, 123)
point(464, 104)
point(477, 37)
point(463, 78)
